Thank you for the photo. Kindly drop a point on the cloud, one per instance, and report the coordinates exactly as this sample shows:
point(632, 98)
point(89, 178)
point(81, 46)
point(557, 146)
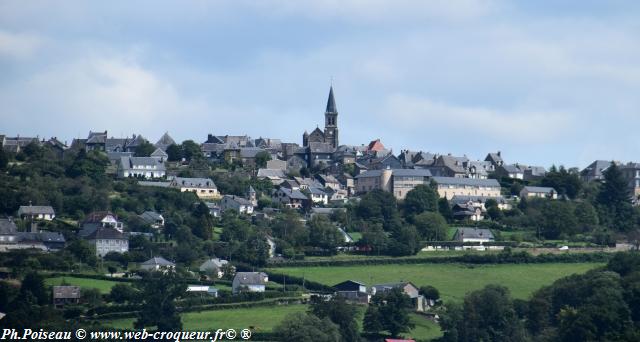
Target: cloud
point(19, 45)
point(520, 126)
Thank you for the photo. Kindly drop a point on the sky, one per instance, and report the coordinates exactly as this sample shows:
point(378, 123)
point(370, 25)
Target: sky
point(544, 82)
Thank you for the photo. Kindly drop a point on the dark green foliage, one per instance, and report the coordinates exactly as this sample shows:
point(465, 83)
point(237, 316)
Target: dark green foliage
point(379, 206)
point(324, 234)
point(91, 164)
point(422, 198)
point(307, 328)
point(158, 292)
point(4, 159)
point(431, 226)
point(33, 287)
point(430, 292)
point(191, 150)
point(262, 158)
point(144, 149)
point(559, 219)
point(174, 152)
point(121, 293)
point(445, 209)
point(563, 181)
point(488, 315)
point(91, 297)
point(339, 312)
point(392, 313)
point(613, 201)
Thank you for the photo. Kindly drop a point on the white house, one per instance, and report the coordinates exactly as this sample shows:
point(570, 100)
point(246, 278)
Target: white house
point(539, 192)
point(318, 196)
point(473, 235)
point(157, 264)
point(249, 282)
point(237, 203)
point(214, 265)
point(108, 239)
point(202, 187)
point(37, 212)
point(144, 167)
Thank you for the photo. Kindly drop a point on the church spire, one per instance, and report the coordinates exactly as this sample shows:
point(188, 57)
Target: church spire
point(331, 102)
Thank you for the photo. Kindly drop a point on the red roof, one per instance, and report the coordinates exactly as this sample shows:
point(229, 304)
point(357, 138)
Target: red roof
point(375, 145)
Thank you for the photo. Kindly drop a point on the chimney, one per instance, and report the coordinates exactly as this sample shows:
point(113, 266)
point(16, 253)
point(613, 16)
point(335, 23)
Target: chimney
point(499, 154)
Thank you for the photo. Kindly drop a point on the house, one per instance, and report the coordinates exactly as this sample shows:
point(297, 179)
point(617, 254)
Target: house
point(448, 187)
point(157, 264)
point(249, 282)
point(214, 266)
point(465, 211)
point(99, 219)
point(141, 167)
point(159, 154)
point(108, 239)
point(594, 172)
point(329, 181)
point(376, 146)
point(539, 192)
point(36, 212)
point(64, 295)
point(534, 173)
point(397, 181)
point(290, 198)
point(473, 235)
point(202, 187)
point(153, 219)
point(237, 203)
point(276, 176)
point(513, 171)
point(11, 238)
point(202, 290)
point(17, 144)
point(449, 166)
point(318, 196)
point(480, 201)
point(495, 159)
point(408, 288)
point(353, 291)
point(214, 209)
point(277, 164)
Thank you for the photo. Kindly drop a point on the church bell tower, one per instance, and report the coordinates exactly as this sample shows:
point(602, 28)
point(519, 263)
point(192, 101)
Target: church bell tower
point(331, 121)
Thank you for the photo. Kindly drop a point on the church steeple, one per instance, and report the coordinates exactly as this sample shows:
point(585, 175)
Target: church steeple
point(331, 121)
point(331, 102)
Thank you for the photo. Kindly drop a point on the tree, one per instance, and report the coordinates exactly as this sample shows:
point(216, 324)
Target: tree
point(393, 312)
point(378, 205)
point(406, 241)
point(306, 328)
point(144, 149)
point(487, 315)
point(289, 227)
point(262, 158)
point(430, 292)
point(4, 159)
point(91, 297)
point(431, 226)
point(33, 286)
point(372, 320)
point(614, 201)
point(324, 234)
point(586, 216)
point(91, 164)
point(340, 313)
point(422, 198)
point(121, 293)
point(174, 152)
point(565, 182)
point(191, 150)
point(158, 292)
point(375, 238)
point(558, 218)
point(445, 209)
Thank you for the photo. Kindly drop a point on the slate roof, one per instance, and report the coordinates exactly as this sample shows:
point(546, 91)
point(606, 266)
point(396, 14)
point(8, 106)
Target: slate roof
point(539, 189)
point(474, 233)
point(159, 153)
point(331, 102)
point(250, 278)
point(165, 141)
point(35, 210)
point(194, 182)
point(128, 163)
point(467, 181)
point(294, 194)
point(596, 168)
point(271, 173)
point(369, 174)
point(66, 292)
point(213, 263)
point(41, 237)
point(411, 173)
point(151, 216)
point(349, 285)
point(250, 152)
point(478, 199)
point(321, 147)
point(239, 200)
point(512, 168)
point(105, 233)
point(316, 191)
point(158, 261)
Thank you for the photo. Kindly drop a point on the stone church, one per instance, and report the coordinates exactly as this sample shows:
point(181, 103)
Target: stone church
point(330, 134)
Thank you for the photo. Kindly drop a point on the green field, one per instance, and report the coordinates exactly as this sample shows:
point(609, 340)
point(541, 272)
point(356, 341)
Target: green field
point(103, 285)
point(265, 319)
point(257, 319)
point(452, 280)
